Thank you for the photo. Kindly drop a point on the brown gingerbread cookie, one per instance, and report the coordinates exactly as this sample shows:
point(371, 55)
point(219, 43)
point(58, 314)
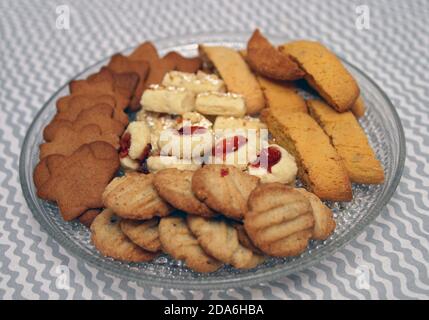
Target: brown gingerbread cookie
point(69, 107)
point(109, 239)
point(102, 115)
point(175, 187)
point(184, 64)
point(133, 197)
point(121, 63)
point(67, 140)
point(76, 182)
point(224, 188)
point(146, 51)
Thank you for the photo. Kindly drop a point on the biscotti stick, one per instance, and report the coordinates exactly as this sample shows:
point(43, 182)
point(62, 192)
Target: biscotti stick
point(358, 108)
point(282, 97)
point(350, 141)
point(319, 165)
point(324, 72)
point(237, 75)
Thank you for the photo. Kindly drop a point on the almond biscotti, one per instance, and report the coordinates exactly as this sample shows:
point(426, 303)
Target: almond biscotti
point(324, 72)
point(282, 97)
point(350, 141)
point(236, 74)
point(319, 165)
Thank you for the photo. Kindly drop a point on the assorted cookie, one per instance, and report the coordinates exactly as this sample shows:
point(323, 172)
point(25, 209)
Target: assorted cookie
point(209, 165)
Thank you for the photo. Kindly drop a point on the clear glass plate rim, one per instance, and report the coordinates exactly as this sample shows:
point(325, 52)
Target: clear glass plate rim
point(261, 276)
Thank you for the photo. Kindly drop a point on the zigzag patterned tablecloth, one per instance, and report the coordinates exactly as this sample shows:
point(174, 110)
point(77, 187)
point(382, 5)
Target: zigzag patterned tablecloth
point(37, 58)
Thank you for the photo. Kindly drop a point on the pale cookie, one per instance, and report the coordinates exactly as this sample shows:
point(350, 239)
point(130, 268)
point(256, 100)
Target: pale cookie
point(197, 83)
point(324, 72)
point(244, 239)
point(324, 223)
point(175, 187)
point(178, 241)
point(220, 240)
point(350, 141)
point(143, 233)
point(280, 220)
point(237, 75)
point(168, 100)
point(133, 197)
point(221, 104)
point(108, 238)
point(224, 189)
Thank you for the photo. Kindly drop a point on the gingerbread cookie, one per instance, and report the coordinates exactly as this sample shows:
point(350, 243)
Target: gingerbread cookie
point(88, 217)
point(178, 241)
point(146, 51)
point(76, 182)
point(120, 63)
point(102, 115)
point(143, 233)
point(280, 220)
point(266, 60)
point(67, 140)
point(109, 239)
point(220, 240)
point(69, 107)
point(133, 197)
point(175, 187)
point(224, 189)
point(184, 64)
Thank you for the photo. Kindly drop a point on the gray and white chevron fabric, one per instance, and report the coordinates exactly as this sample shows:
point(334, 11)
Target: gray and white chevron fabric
point(38, 56)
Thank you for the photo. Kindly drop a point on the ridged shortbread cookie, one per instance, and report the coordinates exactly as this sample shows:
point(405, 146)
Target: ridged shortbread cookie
point(324, 223)
point(178, 241)
point(143, 233)
point(280, 220)
point(175, 187)
point(324, 72)
point(133, 196)
point(350, 141)
point(109, 239)
point(220, 239)
point(224, 188)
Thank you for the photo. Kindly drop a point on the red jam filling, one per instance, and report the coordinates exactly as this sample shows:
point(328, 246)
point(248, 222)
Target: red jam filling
point(228, 145)
point(224, 172)
point(187, 131)
point(268, 158)
point(124, 145)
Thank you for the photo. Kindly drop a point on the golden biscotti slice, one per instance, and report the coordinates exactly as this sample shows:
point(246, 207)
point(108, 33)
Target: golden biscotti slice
point(280, 220)
point(319, 165)
point(324, 223)
point(108, 238)
point(143, 233)
point(324, 72)
point(236, 73)
point(350, 141)
point(266, 60)
point(220, 240)
point(282, 97)
point(358, 108)
point(178, 241)
point(133, 196)
point(224, 188)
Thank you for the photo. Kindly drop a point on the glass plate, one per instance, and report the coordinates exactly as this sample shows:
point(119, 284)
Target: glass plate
point(381, 123)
